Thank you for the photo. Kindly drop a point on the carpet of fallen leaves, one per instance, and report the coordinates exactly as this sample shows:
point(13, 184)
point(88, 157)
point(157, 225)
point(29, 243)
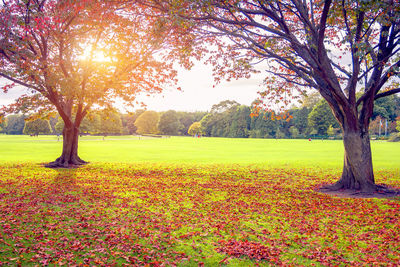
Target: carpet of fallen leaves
point(190, 215)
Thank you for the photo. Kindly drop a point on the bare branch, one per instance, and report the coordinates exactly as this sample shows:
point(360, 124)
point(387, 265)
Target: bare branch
point(387, 93)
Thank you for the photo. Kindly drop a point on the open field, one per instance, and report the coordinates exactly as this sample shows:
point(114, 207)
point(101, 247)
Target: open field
point(129, 149)
point(190, 202)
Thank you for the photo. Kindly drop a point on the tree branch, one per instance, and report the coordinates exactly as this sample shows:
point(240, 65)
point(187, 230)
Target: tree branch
point(21, 83)
point(322, 26)
point(387, 93)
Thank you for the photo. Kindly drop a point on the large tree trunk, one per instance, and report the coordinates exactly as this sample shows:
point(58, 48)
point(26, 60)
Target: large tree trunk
point(69, 157)
point(357, 173)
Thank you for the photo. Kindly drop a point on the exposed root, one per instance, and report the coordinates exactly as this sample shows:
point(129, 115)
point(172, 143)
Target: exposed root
point(331, 187)
point(71, 164)
point(375, 191)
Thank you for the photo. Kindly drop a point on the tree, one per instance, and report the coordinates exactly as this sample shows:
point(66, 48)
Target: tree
point(240, 122)
point(169, 123)
point(195, 129)
point(188, 118)
point(207, 124)
point(2, 125)
point(376, 126)
point(310, 100)
point(91, 123)
point(321, 117)
point(300, 119)
point(147, 123)
point(128, 121)
point(330, 131)
point(304, 43)
point(262, 126)
point(15, 124)
point(386, 108)
point(73, 55)
point(398, 124)
point(279, 134)
point(36, 127)
point(294, 132)
point(110, 122)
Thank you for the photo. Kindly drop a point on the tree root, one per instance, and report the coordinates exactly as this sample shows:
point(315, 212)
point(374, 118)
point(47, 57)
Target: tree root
point(67, 164)
point(331, 187)
point(375, 191)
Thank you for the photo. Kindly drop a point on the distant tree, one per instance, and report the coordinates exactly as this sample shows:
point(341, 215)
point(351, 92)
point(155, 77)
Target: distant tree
point(279, 134)
point(263, 126)
point(169, 123)
point(91, 124)
point(15, 124)
point(310, 100)
point(59, 126)
point(294, 132)
point(321, 117)
point(188, 118)
point(207, 123)
point(398, 124)
point(330, 131)
point(376, 126)
point(224, 106)
point(392, 127)
point(128, 121)
point(2, 125)
point(110, 122)
point(386, 108)
point(195, 129)
point(36, 127)
point(240, 124)
point(53, 121)
point(300, 118)
point(221, 118)
point(147, 123)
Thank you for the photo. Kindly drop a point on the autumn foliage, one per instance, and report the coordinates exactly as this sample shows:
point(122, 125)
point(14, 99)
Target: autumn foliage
point(73, 56)
point(347, 51)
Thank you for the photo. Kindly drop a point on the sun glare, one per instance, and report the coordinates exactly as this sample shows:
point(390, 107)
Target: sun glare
point(96, 55)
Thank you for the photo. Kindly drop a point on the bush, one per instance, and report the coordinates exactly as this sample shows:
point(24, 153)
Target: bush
point(394, 137)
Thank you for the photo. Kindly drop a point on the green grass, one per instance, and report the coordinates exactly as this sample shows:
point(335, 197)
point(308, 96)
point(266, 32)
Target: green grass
point(129, 149)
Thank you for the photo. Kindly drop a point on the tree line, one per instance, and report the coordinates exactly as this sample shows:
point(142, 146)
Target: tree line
point(225, 119)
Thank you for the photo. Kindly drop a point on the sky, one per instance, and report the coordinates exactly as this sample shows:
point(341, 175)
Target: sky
point(197, 92)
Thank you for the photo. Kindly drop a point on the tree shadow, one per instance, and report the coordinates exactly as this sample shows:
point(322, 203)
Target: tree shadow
point(382, 191)
point(64, 182)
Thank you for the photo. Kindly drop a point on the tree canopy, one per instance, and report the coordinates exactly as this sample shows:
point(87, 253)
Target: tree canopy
point(334, 47)
point(147, 123)
point(72, 55)
point(36, 127)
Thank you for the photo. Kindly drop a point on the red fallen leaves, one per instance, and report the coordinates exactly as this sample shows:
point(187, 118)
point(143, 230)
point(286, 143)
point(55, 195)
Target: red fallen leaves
point(144, 214)
point(253, 250)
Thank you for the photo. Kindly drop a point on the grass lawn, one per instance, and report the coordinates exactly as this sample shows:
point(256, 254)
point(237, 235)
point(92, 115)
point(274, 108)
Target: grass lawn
point(129, 149)
point(189, 202)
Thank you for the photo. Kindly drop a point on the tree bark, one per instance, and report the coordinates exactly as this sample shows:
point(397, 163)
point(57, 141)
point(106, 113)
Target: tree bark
point(357, 172)
point(69, 157)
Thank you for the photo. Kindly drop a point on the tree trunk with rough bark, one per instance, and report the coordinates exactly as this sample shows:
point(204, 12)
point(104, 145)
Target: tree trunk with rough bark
point(357, 172)
point(69, 156)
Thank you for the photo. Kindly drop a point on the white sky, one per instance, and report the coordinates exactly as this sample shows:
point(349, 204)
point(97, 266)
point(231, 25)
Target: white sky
point(197, 93)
